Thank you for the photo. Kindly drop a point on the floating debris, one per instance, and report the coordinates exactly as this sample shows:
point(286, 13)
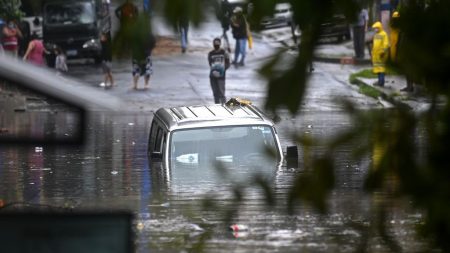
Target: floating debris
point(195, 227)
point(238, 227)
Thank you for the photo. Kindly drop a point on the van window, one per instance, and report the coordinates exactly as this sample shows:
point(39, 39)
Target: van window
point(152, 138)
point(230, 144)
point(159, 140)
point(69, 13)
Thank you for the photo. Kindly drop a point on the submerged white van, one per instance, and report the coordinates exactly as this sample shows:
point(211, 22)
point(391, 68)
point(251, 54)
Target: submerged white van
point(233, 135)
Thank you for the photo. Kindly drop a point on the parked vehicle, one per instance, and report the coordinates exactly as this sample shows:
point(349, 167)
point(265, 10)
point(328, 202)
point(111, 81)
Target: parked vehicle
point(282, 16)
point(244, 4)
point(336, 27)
point(32, 19)
point(76, 26)
point(196, 138)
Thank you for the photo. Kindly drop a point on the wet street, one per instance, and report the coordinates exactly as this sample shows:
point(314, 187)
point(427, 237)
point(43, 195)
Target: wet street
point(112, 170)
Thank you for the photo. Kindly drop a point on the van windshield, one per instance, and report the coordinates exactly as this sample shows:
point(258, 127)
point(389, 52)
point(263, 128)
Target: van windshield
point(231, 144)
point(69, 13)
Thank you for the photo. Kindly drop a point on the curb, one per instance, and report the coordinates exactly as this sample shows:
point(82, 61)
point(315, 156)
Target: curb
point(385, 96)
point(342, 60)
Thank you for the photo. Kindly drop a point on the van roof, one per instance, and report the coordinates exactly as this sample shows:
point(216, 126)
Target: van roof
point(212, 115)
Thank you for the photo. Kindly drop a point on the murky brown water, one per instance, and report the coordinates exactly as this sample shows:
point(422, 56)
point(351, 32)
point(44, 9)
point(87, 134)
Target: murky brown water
point(112, 171)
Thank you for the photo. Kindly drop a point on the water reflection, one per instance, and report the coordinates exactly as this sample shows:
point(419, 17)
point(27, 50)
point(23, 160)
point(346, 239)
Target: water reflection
point(17, 123)
point(112, 172)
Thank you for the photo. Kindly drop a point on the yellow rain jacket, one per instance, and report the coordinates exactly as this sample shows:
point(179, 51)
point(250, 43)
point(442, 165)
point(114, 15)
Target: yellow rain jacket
point(380, 49)
point(393, 36)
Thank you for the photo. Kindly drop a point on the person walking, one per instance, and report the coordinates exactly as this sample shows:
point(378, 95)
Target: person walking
point(142, 66)
point(35, 51)
point(60, 61)
point(142, 46)
point(183, 28)
point(359, 33)
point(10, 39)
point(106, 55)
point(225, 15)
point(219, 62)
point(239, 30)
point(380, 52)
point(127, 12)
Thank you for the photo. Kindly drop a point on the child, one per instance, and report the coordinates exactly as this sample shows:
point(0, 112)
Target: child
point(60, 61)
point(106, 55)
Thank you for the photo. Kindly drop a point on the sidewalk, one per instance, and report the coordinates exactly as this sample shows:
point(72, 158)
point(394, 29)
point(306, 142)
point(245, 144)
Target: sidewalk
point(342, 53)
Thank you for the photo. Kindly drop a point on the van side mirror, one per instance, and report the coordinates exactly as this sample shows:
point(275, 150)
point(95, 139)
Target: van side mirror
point(292, 157)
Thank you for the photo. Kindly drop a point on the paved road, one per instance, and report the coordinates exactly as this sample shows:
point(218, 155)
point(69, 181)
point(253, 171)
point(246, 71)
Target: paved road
point(183, 79)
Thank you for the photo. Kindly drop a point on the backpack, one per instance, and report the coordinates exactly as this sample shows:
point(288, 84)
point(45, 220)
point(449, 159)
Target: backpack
point(218, 69)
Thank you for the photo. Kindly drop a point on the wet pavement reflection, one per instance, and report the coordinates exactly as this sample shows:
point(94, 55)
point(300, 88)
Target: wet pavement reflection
point(28, 119)
point(112, 171)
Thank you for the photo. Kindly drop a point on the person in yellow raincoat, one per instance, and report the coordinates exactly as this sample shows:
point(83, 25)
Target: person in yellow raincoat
point(380, 52)
point(394, 36)
point(397, 40)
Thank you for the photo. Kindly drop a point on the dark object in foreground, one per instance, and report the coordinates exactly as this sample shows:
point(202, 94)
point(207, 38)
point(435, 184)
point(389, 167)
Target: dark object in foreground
point(67, 232)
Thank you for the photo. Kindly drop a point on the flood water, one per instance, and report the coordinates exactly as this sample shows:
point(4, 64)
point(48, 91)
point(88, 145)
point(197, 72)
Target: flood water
point(112, 172)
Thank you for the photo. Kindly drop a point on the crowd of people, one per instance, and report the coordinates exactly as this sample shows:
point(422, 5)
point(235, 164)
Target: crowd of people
point(383, 46)
point(29, 47)
point(219, 59)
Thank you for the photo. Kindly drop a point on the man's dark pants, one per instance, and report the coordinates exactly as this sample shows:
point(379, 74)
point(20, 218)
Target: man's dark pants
point(218, 89)
point(359, 41)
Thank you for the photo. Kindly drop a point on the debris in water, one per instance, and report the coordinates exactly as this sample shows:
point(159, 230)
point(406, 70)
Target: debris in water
point(114, 172)
point(140, 226)
point(166, 204)
point(238, 227)
point(195, 227)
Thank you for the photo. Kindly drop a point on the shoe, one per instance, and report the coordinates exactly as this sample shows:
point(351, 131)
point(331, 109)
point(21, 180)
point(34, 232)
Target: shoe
point(183, 50)
point(241, 64)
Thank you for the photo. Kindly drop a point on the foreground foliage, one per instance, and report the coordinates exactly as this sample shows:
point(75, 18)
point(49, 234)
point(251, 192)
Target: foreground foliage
point(399, 166)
